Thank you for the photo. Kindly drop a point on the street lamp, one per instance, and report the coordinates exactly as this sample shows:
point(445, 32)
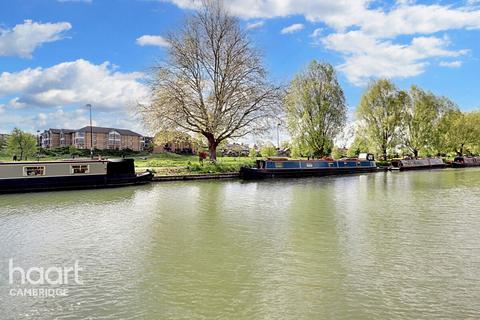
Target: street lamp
point(89, 106)
point(278, 135)
point(39, 145)
point(38, 139)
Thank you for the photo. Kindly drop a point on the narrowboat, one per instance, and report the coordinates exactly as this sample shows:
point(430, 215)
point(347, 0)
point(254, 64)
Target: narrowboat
point(69, 174)
point(284, 168)
point(464, 162)
point(417, 164)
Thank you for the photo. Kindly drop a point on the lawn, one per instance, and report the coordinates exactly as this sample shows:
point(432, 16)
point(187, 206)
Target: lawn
point(174, 164)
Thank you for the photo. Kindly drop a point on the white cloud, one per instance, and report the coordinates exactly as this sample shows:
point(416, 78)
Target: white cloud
point(2, 108)
point(60, 118)
point(333, 13)
point(451, 64)
point(419, 19)
point(377, 24)
point(293, 28)
point(24, 38)
point(73, 83)
point(317, 33)
point(404, 18)
point(149, 40)
point(367, 57)
point(255, 25)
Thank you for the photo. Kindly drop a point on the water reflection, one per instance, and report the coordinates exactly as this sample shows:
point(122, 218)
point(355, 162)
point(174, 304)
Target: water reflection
point(387, 245)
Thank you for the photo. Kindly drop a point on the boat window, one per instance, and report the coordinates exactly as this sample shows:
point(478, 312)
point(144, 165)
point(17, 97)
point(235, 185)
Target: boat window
point(80, 169)
point(309, 165)
point(33, 171)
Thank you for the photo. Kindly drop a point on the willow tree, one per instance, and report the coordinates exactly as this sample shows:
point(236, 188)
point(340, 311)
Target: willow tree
point(315, 108)
point(213, 82)
point(460, 132)
point(380, 112)
point(420, 120)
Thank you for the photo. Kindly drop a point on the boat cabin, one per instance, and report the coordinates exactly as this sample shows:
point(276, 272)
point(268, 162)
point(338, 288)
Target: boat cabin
point(34, 170)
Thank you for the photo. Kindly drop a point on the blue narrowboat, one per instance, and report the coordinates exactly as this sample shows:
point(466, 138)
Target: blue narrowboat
point(284, 168)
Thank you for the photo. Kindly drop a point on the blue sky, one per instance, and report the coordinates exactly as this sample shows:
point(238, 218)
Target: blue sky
point(58, 55)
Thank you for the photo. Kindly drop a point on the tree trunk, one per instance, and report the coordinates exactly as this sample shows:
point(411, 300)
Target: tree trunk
point(212, 150)
point(384, 150)
point(415, 153)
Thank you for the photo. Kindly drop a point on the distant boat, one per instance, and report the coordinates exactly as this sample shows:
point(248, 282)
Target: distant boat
point(69, 174)
point(284, 168)
point(463, 162)
point(417, 164)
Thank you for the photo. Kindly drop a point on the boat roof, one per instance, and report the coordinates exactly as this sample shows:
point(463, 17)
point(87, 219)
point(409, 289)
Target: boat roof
point(54, 162)
point(305, 160)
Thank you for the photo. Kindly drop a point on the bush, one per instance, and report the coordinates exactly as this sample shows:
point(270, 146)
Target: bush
point(268, 151)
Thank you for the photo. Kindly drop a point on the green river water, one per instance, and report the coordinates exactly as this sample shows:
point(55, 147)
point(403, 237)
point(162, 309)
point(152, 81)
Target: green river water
point(373, 246)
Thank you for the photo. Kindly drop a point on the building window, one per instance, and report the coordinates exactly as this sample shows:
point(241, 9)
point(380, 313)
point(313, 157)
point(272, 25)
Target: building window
point(33, 171)
point(114, 140)
point(80, 169)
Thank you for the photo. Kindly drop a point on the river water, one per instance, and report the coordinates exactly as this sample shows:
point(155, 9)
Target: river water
point(373, 246)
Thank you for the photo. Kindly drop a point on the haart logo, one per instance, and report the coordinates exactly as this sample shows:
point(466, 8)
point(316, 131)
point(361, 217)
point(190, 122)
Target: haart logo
point(28, 282)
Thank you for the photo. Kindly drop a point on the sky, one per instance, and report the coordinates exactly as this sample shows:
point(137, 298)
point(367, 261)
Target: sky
point(56, 56)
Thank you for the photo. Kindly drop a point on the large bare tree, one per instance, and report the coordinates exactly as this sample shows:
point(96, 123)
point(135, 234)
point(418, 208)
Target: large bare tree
point(213, 82)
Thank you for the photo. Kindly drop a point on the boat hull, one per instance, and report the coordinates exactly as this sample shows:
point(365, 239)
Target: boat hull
point(22, 185)
point(436, 166)
point(417, 164)
point(254, 173)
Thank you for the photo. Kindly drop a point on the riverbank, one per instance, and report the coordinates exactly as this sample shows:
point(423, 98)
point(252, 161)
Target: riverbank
point(204, 176)
point(170, 164)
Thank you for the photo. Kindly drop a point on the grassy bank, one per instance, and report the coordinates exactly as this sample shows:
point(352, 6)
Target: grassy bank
point(174, 164)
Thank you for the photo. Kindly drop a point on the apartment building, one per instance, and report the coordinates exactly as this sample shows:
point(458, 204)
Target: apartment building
point(56, 138)
point(102, 138)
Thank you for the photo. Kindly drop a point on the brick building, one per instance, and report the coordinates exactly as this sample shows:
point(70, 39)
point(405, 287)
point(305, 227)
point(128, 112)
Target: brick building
point(103, 138)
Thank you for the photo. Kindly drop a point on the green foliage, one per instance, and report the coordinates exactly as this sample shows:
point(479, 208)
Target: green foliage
point(73, 151)
point(316, 110)
point(380, 111)
point(421, 121)
point(268, 150)
point(3, 144)
point(418, 123)
point(253, 153)
point(359, 145)
point(21, 144)
point(338, 153)
point(460, 132)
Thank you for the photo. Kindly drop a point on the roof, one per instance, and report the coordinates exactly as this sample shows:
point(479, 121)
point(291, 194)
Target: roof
point(123, 132)
point(60, 130)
